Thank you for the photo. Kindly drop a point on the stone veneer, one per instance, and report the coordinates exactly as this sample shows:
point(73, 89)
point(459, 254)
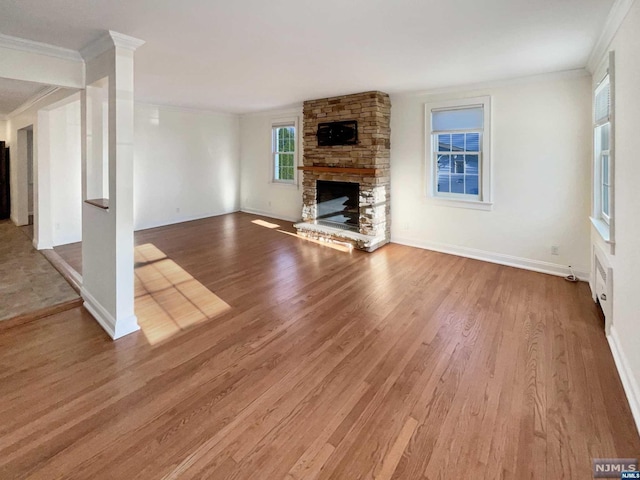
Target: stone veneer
point(372, 111)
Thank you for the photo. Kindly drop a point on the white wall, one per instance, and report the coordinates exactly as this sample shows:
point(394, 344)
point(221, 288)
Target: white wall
point(625, 329)
point(541, 144)
point(259, 194)
point(186, 165)
point(19, 183)
point(4, 135)
point(65, 174)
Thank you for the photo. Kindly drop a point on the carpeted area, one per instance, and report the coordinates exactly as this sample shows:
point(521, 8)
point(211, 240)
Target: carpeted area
point(28, 282)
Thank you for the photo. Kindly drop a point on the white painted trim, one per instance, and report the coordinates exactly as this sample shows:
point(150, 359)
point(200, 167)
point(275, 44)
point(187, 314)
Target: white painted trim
point(151, 225)
point(24, 45)
point(107, 322)
point(506, 82)
point(45, 92)
point(41, 245)
point(629, 382)
point(254, 211)
point(615, 18)
point(109, 40)
point(492, 257)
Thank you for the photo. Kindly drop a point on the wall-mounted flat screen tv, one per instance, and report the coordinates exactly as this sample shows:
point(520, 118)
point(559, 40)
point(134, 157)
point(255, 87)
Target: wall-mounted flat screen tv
point(337, 133)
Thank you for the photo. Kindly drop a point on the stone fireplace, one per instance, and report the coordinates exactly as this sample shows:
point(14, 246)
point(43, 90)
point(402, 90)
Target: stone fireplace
point(346, 186)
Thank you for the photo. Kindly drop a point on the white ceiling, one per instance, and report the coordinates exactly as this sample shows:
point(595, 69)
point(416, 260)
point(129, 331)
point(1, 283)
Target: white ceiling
point(14, 93)
point(248, 55)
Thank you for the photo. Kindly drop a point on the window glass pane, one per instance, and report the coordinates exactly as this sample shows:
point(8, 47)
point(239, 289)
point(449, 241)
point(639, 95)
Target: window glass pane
point(604, 136)
point(473, 142)
point(457, 183)
point(458, 119)
point(605, 169)
point(285, 139)
point(457, 163)
point(457, 142)
point(471, 185)
point(444, 143)
point(471, 166)
point(605, 200)
point(443, 173)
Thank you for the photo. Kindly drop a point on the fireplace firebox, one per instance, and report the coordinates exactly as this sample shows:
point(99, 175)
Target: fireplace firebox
point(338, 204)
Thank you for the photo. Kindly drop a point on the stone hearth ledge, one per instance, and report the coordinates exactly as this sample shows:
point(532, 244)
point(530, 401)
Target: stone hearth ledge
point(368, 243)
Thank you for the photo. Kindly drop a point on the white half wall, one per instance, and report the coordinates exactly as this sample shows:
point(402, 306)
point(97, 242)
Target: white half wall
point(541, 147)
point(259, 194)
point(65, 174)
point(186, 165)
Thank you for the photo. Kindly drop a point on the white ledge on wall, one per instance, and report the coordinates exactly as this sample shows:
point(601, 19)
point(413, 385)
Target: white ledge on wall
point(460, 203)
point(604, 232)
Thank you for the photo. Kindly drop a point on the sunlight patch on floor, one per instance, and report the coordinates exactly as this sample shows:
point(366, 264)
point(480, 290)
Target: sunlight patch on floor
point(168, 299)
point(264, 223)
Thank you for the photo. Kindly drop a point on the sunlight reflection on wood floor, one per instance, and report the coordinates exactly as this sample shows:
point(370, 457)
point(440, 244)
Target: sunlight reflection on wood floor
point(168, 299)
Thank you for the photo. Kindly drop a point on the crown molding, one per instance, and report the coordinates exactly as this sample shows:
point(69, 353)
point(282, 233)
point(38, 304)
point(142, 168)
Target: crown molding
point(109, 40)
point(45, 92)
point(615, 18)
point(506, 82)
point(15, 43)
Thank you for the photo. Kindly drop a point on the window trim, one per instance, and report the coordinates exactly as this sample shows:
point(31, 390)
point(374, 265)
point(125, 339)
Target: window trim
point(485, 198)
point(284, 122)
point(604, 224)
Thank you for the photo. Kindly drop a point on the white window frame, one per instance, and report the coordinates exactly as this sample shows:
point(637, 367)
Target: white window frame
point(284, 122)
point(603, 222)
point(484, 201)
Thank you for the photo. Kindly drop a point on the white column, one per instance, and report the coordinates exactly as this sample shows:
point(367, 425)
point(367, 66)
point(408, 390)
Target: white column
point(107, 233)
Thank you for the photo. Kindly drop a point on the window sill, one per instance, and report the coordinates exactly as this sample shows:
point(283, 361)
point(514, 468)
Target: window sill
point(460, 203)
point(284, 184)
point(602, 228)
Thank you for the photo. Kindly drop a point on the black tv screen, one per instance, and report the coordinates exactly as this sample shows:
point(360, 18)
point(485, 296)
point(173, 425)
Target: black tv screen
point(337, 133)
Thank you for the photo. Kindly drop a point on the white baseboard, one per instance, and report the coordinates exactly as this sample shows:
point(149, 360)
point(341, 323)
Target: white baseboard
point(41, 245)
point(173, 221)
point(115, 329)
point(629, 382)
point(492, 257)
point(253, 211)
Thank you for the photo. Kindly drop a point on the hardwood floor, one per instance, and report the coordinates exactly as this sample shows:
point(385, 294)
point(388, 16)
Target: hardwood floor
point(400, 364)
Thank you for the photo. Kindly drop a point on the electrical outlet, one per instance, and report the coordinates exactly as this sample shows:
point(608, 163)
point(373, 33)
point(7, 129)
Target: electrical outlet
point(177, 209)
point(555, 250)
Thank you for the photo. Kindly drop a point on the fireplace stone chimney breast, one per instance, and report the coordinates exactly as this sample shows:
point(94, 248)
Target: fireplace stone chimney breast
point(365, 163)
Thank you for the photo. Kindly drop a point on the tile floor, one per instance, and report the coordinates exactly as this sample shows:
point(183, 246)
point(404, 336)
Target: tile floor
point(28, 282)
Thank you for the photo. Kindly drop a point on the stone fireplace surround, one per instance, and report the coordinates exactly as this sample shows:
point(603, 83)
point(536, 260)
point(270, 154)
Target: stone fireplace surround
point(366, 163)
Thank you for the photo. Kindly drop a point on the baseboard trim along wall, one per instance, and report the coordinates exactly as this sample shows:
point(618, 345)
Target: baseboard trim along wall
point(174, 221)
point(106, 321)
point(629, 383)
point(499, 258)
point(253, 211)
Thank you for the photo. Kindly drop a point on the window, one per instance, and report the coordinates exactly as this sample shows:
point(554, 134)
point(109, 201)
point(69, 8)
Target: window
point(459, 152)
point(284, 152)
point(603, 161)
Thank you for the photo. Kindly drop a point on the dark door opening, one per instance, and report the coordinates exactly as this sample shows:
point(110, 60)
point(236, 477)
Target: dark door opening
point(5, 193)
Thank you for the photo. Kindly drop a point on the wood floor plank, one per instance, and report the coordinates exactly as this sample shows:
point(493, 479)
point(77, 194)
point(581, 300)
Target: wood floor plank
point(291, 360)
